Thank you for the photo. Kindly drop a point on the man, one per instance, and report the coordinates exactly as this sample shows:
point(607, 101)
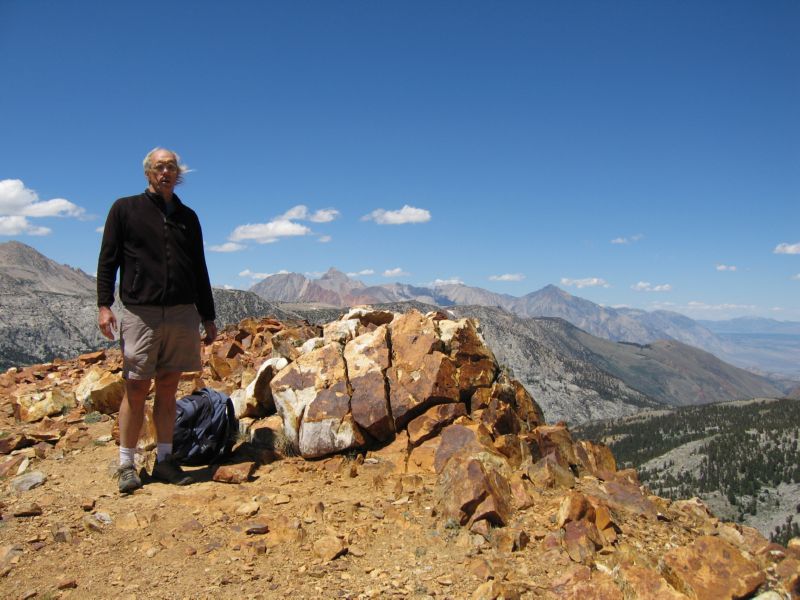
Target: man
point(156, 243)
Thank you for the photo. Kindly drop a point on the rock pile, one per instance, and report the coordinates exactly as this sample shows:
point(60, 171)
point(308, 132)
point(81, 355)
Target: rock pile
point(420, 403)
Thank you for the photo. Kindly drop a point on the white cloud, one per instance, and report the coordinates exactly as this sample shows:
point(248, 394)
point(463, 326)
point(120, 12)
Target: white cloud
point(507, 277)
point(17, 203)
point(628, 240)
point(100, 229)
point(20, 225)
point(296, 212)
point(726, 267)
point(646, 286)
point(587, 282)
point(451, 281)
point(796, 277)
point(284, 226)
point(361, 273)
point(251, 275)
point(267, 233)
point(787, 248)
point(300, 213)
point(397, 272)
point(324, 215)
point(227, 247)
point(407, 214)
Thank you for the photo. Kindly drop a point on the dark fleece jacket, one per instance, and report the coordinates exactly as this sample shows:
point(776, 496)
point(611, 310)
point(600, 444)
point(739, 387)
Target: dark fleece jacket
point(160, 258)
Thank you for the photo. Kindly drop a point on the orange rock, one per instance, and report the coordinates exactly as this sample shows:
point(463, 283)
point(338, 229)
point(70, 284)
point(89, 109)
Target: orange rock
point(415, 387)
point(549, 472)
point(596, 459)
point(555, 439)
point(711, 569)
point(641, 582)
point(581, 540)
point(574, 507)
point(235, 473)
point(429, 424)
point(472, 488)
point(458, 438)
point(600, 587)
point(422, 458)
point(91, 358)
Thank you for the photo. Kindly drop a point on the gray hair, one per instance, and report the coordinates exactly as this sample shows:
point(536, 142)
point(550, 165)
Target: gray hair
point(182, 168)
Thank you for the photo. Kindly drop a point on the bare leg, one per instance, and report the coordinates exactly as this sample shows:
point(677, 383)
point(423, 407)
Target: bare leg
point(164, 408)
point(131, 411)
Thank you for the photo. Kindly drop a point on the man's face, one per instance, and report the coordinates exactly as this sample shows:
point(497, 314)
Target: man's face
point(163, 172)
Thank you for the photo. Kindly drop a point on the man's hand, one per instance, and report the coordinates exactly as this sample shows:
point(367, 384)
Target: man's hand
point(107, 322)
point(211, 332)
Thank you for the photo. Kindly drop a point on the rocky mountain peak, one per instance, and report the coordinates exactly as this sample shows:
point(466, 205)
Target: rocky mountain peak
point(380, 442)
point(23, 268)
point(333, 274)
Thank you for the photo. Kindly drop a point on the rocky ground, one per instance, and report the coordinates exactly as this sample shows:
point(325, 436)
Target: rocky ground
point(453, 506)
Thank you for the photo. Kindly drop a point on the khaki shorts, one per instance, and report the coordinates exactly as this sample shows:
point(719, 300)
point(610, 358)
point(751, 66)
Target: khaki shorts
point(158, 339)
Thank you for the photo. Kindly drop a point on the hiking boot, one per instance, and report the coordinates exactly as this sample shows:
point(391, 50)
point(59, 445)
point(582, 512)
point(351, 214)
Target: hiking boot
point(128, 479)
point(170, 471)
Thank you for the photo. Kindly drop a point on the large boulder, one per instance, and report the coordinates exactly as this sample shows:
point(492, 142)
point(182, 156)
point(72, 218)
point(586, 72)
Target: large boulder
point(367, 358)
point(101, 390)
point(311, 396)
point(32, 406)
point(256, 399)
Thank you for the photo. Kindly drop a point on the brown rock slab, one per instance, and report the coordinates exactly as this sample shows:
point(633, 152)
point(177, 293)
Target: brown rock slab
point(413, 388)
point(581, 540)
point(595, 459)
point(91, 358)
point(509, 539)
point(471, 488)
point(10, 466)
point(27, 509)
point(555, 439)
point(433, 421)
point(549, 472)
point(235, 473)
point(641, 582)
point(622, 495)
point(367, 357)
point(14, 441)
point(461, 437)
point(711, 569)
point(413, 337)
point(329, 548)
point(67, 584)
point(574, 507)
point(256, 528)
point(600, 587)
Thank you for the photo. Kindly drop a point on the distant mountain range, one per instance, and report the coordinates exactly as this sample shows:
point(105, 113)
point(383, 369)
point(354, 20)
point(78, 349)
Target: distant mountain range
point(49, 310)
point(334, 288)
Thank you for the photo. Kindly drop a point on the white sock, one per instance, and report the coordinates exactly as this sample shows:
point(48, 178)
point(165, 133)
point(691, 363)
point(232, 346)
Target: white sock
point(164, 450)
point(127, 456)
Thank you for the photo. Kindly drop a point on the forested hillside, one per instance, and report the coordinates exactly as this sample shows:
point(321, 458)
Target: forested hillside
point(741, 458)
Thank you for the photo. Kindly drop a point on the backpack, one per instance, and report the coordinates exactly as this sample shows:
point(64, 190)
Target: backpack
point(205, 428)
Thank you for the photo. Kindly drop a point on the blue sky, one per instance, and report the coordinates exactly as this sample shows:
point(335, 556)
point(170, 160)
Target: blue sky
point(634, 153)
